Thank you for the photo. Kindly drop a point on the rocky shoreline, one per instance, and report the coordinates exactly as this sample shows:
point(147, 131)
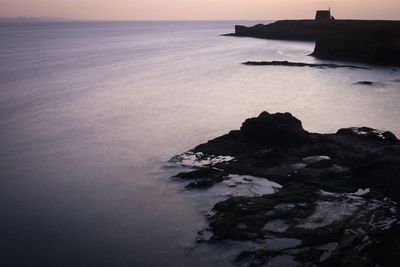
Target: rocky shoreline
point(310, 200)
point(369, 41)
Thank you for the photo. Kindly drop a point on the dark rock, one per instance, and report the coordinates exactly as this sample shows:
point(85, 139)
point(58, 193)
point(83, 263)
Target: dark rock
point(257, 211)
point(300, 64)
point(274, 129)
point(203, 177)
point(320, 164)
point(368, 41)
point(384, 252)
point(305, 30)
point(203, 173)
point(382, 173)
point(368, 133)
point(365, 83)
point(337, 203)
point(375, 45)
point(390, 137)
point(201, 184)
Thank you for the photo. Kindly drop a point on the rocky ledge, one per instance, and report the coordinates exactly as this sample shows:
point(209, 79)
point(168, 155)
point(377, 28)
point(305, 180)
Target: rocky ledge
point(301, 64)
point(312, 199)
point(369, 41)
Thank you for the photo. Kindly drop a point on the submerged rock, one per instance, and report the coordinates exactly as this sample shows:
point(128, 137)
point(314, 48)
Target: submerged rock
point(335, 204)
point(365, 83)
point(300, 64)
point(203, 177)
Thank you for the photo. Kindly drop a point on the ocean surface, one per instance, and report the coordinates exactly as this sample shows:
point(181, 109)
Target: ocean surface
point(90, 114)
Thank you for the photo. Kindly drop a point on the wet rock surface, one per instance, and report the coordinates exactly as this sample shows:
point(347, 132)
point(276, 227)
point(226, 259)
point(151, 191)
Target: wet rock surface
point(337, 200)
point(203, 177)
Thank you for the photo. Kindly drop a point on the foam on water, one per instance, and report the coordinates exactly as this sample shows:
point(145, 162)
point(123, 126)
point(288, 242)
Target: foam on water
point(233, 186)
point(198, 159)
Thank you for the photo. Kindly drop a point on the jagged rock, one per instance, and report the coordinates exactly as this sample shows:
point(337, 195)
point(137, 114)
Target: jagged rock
point(203, 177)
point(369, 133)
point(274, 129)
point(337, 204)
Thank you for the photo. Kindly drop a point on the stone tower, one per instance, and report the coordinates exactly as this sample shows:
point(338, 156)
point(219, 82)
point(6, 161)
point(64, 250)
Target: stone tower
point(323, 15)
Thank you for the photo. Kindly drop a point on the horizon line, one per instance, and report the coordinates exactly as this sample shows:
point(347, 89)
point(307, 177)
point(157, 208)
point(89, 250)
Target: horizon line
point(61, 19)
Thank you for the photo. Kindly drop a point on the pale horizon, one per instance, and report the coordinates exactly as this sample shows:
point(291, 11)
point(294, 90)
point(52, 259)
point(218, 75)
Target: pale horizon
point(198, 9)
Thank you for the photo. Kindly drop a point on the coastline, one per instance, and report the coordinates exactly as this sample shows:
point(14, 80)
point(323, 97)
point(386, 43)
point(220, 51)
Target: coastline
point(86, 138)
point(334, 202)
point(368, 41)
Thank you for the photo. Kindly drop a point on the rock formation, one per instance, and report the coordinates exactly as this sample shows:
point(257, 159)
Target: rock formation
point(369, 41)
point(337, 203)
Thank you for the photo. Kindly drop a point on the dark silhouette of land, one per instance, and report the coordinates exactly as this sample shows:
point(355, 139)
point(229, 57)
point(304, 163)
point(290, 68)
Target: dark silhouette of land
point(301, 64)
point(32, 19)
point(370, 41)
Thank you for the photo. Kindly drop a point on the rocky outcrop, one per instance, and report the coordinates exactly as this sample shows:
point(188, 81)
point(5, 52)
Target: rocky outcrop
point(337, 203)
point(300, 64)
point(203, 177)
point(274, 129)
point(368, 41)
point(369, 83)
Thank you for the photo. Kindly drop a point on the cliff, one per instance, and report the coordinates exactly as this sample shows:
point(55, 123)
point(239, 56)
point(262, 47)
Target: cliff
point(376, 42)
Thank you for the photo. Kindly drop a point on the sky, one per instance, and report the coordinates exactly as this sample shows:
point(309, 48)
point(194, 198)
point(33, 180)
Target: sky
point(199, 9)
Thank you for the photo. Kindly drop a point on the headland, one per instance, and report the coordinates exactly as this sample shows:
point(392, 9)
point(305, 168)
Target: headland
point(368, 41)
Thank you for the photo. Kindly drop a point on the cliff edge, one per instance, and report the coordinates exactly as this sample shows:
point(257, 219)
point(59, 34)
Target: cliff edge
point(369, 41)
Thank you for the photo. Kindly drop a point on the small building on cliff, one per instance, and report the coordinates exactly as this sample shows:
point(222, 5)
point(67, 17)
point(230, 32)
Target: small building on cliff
point(324, 15)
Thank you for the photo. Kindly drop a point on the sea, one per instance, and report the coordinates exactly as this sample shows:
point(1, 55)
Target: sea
point(92, 112)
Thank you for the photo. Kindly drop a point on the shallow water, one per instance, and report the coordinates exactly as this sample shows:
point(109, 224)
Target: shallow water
point(90, 113)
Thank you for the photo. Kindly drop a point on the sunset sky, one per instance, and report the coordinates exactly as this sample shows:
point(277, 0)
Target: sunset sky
point(198, 9)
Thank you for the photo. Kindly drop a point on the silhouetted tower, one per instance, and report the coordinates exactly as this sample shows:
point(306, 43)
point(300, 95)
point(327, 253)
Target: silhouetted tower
point(323, 15)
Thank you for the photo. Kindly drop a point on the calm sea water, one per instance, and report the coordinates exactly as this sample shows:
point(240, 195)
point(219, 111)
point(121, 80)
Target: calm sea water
point(90, 113)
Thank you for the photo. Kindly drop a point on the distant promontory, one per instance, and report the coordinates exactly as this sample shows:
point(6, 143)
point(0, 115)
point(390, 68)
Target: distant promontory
point(369, 41)
point(32, 19)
